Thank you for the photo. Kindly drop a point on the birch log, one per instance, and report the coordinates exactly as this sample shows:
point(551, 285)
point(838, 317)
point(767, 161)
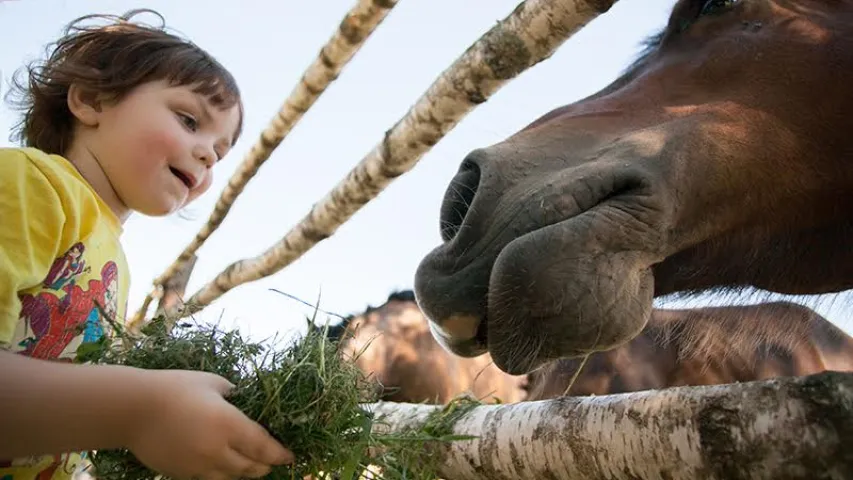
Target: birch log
point(791, 428)
point(529, 35)
point(358, 24)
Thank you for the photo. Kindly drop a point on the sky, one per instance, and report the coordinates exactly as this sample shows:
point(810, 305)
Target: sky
point(268, 45)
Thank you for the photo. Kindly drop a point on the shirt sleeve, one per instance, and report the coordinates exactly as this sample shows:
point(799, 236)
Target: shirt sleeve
point(31, 227)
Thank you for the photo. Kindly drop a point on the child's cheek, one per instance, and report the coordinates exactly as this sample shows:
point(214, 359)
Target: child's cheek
point(172, 143)
point(163, 144)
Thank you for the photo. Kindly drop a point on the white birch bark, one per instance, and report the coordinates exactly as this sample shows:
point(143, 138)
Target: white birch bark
point(358, 24)
point(791, 428)
point(530, 34)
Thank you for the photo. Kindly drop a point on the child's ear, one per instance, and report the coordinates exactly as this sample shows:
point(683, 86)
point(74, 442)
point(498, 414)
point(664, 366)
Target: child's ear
point(84, 105)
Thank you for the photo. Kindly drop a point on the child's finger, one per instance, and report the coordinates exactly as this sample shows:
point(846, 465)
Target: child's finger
point(257, 444)
point(223, 386)
point(237, 464)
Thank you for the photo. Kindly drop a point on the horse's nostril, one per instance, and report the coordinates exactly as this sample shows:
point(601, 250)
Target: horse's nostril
point(458, 198)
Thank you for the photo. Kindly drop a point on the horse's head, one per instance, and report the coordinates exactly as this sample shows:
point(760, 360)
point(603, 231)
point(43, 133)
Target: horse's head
point(719, 159)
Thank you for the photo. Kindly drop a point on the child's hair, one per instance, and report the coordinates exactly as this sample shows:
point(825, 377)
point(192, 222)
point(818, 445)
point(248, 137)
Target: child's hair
point(110, 60)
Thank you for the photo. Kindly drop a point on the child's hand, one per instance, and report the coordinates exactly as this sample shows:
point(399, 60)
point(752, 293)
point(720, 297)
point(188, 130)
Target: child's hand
point(190, 431)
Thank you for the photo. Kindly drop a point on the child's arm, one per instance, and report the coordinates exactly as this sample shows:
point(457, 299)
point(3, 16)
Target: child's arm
point(53, 407)
point(176, 422)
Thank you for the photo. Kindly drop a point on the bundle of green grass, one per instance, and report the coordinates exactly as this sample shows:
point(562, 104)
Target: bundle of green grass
point(305, 394)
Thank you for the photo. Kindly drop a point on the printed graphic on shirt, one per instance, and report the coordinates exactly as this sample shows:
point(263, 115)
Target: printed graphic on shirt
point(44, 467)
point(66, 307)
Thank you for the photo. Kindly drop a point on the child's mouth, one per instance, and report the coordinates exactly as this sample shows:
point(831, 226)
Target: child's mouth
point(183, 177)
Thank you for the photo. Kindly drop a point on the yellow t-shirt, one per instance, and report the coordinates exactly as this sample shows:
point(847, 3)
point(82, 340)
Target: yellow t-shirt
point(60, 258)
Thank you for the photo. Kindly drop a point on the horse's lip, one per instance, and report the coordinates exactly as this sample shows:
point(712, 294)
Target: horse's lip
point(516, 367)
point(473, 346)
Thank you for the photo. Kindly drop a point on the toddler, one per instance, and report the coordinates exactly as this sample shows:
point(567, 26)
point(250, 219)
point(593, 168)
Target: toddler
point(121, 117)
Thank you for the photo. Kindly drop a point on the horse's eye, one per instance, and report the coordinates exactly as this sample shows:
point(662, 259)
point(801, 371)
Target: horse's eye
point(716, 7)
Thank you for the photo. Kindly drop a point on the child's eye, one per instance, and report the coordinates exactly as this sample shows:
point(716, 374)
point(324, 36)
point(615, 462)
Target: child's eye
point(188, 121)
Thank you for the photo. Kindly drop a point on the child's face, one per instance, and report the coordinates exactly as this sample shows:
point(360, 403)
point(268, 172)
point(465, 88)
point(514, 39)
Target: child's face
point(158, 144)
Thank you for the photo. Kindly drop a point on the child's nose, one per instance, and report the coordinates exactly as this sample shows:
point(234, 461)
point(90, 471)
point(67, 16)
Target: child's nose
point(205, 154)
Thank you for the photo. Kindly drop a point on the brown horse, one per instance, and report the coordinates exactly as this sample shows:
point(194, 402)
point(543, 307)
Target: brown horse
point(721, 159)
point(393, 345)
point(704, 346)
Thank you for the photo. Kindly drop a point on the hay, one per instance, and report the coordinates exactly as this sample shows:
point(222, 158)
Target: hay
point(304, 394)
